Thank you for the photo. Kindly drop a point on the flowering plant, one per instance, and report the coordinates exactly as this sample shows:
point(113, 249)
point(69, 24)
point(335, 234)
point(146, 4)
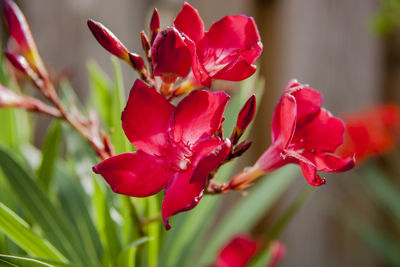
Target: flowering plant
point(172, 139)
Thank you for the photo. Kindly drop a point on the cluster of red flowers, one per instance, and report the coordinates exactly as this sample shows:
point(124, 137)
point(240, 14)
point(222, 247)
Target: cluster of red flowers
point(181, 147)
point(371, 132)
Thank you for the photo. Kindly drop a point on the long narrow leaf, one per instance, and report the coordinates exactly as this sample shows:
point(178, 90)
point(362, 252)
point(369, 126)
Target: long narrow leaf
point(50, 149)
point(106, 226)
point(18, 230)
point(15, 261)
point(74, 203)
point(53, 223)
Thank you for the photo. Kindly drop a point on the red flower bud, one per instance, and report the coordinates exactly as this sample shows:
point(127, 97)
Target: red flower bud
point(245, 116)
point(18, 27)
point(278, 251)
point(21, 33)
point(171, 56)
point(145, 42)
point(137, 61)
point(21, 64)
point(108, 40)
point(154, 25)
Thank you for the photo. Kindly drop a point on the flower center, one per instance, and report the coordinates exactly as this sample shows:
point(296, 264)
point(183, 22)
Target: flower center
point(178, 156)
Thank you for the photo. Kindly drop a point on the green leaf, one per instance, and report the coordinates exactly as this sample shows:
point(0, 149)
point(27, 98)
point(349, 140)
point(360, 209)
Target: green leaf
point(128, 256)
point(50, 150)
point(18, 230)
point(245, 214)
point(105, 225)
point(53, 223)
point(153, 230)
point(118, 138)
point(74, 203)
point(14, 261)
point(101, 88)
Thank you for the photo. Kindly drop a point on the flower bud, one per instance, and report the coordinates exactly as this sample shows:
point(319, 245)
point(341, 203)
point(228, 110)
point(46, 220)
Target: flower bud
point(278, 251)
point(154, 25)
point(170, 56)
point(245, 116)
point(137, 61)
point(145, 42)
point(19, 30)
point(21, 64)
point(108, 40)
point(241, 148)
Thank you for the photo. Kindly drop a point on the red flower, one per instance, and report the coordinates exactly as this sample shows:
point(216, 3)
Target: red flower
point(371, 132)
point(177, 149)
point(226, 52)
point(302, 133)
point(237, 253)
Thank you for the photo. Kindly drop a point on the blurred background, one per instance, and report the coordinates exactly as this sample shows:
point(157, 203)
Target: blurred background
point(348, 50)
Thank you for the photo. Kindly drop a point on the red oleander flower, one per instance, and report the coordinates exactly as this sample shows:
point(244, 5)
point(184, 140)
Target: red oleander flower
point(226, 51)
point(371, 132)
point(303, 133)
point(237, 253)
point(177, 148)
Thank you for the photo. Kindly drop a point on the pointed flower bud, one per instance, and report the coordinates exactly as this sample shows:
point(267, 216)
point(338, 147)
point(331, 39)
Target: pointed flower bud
point(108, 40)
point(145, 42)
point(241, 148)
point(136, 61)
point(171, 56)
point(278, 251)
point(18, 27)
point(245, 116)
point(21, 64)
point(154, 25)
point(19, 30)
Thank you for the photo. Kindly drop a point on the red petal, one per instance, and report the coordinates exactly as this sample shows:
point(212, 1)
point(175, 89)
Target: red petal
point(309, 103)
point(146, 118)
point(284, 120)
point(310, 173)
point(190, 23)
point(237, 70)
point(198, 115)
point(232, 36)
point(185, 190)
point(237, 253)
point(180, 195)
point(135, 174)
point(209, 155)
point(170, 55)
point(331, 163)
point(323, 134)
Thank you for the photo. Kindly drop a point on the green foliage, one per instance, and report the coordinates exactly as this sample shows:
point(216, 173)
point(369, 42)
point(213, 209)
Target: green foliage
point(19, 231)
point(387, 18)
point(50, 150)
